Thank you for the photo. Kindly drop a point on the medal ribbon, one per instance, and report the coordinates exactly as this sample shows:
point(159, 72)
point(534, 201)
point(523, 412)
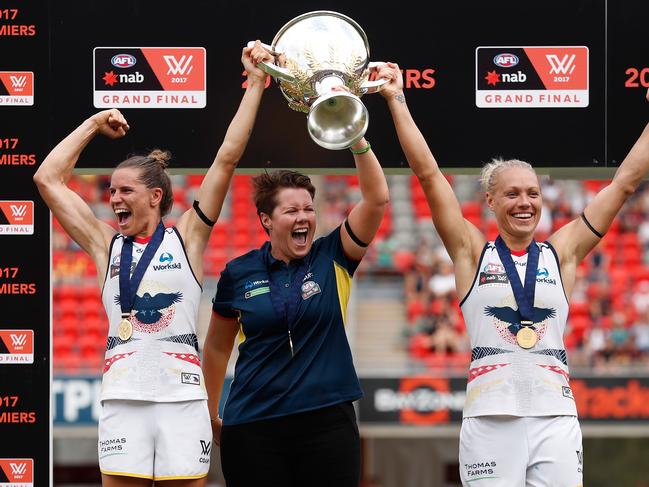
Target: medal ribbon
point(128, 287)
point(524, 296)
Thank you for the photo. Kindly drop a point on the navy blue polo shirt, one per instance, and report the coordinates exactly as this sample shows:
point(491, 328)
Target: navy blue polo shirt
point(270, 381)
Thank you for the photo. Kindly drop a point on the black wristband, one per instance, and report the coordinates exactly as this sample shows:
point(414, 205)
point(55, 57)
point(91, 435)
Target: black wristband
point(353, 236)
point(202, 216)
point(583, 217)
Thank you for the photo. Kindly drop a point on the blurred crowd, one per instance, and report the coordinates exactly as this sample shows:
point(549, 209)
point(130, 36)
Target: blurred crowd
point(608, 326)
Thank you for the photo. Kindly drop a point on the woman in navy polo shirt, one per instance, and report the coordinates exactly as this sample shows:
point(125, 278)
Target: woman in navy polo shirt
point(289, 419)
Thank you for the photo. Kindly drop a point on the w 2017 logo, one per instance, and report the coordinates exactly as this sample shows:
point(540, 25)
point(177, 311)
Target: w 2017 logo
point(18, 211)
point(16, 472)
point(565, 65)
point(16, 217)
point(18, 87)
point(182, 66)
point(18, 83)
point(18, 340)
point(16, 347)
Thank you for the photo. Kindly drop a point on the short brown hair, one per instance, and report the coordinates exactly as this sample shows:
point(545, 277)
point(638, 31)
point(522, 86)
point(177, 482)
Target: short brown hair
point(267, 185)
point(153, 175)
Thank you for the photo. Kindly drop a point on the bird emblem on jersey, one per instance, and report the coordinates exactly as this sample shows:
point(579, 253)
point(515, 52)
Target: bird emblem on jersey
point(147, 308)
point(513, 317)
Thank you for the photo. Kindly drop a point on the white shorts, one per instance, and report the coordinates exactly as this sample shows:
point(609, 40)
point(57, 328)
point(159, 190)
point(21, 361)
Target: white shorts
point(506, 451)
point(155, 440)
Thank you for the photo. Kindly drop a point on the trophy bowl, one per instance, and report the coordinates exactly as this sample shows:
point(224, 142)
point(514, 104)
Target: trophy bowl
point(314, 54)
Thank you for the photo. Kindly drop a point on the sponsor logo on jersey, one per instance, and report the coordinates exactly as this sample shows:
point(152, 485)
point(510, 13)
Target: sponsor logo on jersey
point(255, 288)
point(567, 392)
point(114, 266)
point(486, 279)
point(206, 449)
point(543, 276)
point(310, 288)
point(483, 469)
point(193, 379)
point(112, 446)
point(167, 263)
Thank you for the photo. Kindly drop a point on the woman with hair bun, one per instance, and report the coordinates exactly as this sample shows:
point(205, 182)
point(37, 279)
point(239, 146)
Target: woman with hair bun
point(154, 423)
point(520, 424)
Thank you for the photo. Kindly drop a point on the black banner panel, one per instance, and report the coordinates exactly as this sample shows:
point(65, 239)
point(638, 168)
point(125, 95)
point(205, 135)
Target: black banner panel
point(482, 79)
point(627, 76)
point(25, 241)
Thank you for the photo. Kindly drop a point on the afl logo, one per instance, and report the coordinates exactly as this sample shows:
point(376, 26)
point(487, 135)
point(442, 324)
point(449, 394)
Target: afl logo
point(123, 61)
point(506, 60)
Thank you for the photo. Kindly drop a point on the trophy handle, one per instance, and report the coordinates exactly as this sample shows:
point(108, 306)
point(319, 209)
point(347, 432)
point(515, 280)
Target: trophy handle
point(274, 70)
point(376, 85)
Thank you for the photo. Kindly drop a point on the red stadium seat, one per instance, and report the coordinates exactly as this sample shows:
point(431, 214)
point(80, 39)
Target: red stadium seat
point(403, 260)
point(414, 309)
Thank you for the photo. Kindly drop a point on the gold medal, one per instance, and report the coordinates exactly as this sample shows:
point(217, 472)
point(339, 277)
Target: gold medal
point(125, 329)
point(526, 337)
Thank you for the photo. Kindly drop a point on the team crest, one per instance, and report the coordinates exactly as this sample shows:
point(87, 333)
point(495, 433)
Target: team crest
point(153, 307)
point(507, 320)
point(309, 289)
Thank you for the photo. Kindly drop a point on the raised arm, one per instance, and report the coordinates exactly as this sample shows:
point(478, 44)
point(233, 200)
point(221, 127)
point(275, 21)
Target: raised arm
point(576, 239)
point(463, 241)
point(194, 230)
point(70, 210)
point(365, 218)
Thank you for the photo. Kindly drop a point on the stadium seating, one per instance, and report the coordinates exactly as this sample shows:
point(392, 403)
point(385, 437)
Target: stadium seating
point(607, 280)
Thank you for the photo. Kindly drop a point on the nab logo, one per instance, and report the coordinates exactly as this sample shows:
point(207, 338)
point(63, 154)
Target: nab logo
point(18, 83)
point(565, 65)
point(182, 66)
point(166, 257)
point(123, 61)
point(206, 447)
point(506, 60)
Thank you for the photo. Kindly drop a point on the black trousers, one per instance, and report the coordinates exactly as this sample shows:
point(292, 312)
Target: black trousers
point(319, 448)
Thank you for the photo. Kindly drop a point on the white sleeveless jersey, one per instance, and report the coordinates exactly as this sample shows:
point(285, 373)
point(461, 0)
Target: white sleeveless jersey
point(160, 362)
point(505, 379)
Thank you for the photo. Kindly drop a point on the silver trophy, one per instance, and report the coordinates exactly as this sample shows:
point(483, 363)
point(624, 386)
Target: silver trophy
point(313, 53)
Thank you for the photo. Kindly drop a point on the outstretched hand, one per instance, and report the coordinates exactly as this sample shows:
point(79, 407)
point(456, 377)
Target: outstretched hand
point(391, 72)
point(111, 123)
point(251, 57)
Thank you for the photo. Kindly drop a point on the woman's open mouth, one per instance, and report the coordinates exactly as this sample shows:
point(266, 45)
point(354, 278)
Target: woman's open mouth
point(123, 216)
point(299, 236)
